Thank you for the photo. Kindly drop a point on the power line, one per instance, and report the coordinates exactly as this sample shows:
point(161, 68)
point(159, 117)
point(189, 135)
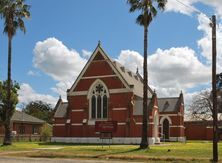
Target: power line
point(193, 9)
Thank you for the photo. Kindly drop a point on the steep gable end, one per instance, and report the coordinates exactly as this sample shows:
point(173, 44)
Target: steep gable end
point(172, 104)
point(99, 65)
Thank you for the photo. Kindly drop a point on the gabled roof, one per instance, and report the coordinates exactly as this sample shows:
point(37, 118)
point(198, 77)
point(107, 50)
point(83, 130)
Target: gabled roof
point(168, 104)
point(138, 105)
point(171, 104)
point(19, 116)
point(61, 109)
point(132, 81)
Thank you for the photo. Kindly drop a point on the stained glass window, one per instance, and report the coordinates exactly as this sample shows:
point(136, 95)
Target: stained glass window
point(99, 102)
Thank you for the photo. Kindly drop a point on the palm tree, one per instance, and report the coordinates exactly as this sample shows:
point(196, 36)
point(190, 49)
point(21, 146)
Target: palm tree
point(2, 4)
point(13, 12)
point(148, 12)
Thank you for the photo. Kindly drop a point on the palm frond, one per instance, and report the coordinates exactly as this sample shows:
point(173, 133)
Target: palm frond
point(140, 20)
point(21, 25)
point(147, 8)
point(161, 4)
point(134, 5)
point(153, 11)
point(13, 11)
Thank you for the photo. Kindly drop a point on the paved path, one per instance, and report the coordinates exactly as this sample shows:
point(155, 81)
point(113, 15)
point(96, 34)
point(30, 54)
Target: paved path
point(4, 159)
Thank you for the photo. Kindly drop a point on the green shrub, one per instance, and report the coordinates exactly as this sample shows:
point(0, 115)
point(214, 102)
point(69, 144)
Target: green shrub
point(46, 132)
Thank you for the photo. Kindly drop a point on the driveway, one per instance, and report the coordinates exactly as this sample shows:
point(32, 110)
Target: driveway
point(4, 159)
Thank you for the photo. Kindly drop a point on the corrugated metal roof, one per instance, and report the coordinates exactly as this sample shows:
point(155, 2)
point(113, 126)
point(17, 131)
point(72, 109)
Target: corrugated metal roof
point(23, 117)
point(132, 79)
point(168, 104)
point(61, 109)
point(138, 106)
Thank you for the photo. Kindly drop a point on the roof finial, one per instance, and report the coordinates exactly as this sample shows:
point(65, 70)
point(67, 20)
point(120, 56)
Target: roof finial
point(60, 97)
point(99, 43)
point(137, 70)
point(181, 92)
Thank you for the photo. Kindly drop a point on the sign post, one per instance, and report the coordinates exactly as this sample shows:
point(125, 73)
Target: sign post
point(106, 129)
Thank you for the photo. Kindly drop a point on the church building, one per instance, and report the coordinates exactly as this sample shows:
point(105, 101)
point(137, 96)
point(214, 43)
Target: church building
point(105, 91)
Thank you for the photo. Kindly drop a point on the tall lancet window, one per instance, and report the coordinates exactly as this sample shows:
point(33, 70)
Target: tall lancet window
point(98, 97)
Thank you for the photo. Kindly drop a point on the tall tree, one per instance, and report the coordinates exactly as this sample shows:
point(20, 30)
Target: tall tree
point(4, 118)
point(2, 4)
point(148, 12)
point(40, 110)
point(13, 12)
point(201, 107)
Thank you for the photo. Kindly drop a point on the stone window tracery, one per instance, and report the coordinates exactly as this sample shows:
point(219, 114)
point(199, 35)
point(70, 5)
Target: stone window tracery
point(99, 102)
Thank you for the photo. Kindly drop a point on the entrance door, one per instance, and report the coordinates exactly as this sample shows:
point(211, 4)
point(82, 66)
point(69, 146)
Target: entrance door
point(166, 129)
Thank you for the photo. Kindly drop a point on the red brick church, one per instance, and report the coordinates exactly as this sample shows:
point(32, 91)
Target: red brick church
point(107, 91)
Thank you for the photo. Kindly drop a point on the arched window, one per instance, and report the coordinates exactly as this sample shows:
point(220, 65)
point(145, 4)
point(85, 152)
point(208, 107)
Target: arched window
point(98, 101)
point(93, 106)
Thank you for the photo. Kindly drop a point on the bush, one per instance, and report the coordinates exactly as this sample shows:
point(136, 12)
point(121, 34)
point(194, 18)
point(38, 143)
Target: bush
point(46, 132)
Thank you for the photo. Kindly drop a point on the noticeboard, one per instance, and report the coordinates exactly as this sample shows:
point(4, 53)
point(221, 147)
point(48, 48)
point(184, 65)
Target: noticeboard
point(105, 126)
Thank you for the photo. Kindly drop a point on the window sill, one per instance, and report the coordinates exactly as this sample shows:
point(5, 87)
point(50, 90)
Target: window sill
point(92, 121)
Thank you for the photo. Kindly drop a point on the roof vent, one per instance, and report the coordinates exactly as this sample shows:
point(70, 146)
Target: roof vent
point(136, 77)
point(114, 62)
point(130, 73)
point(122, 68)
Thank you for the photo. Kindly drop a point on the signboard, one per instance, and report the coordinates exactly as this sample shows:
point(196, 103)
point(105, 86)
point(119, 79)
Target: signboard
point(105, 126)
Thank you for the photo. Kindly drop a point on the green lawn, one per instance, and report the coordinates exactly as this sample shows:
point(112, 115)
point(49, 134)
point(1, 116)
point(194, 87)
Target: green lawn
point(197, 151)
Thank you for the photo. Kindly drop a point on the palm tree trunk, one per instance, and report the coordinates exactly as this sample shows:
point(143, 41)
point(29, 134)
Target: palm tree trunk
point(144, 143)
point(7, 138)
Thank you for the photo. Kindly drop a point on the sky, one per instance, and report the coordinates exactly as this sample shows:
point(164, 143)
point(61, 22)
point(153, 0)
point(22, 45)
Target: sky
point(61, 36)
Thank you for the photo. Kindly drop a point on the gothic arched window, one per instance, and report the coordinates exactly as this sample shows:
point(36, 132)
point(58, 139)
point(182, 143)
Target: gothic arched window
point(98, 101)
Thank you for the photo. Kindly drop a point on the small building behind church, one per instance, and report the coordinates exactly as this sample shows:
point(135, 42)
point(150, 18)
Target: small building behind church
point(107, 91)
point(23, 126)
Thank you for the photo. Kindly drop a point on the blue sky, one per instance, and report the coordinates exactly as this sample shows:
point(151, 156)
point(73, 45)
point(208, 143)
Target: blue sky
point(179, 45)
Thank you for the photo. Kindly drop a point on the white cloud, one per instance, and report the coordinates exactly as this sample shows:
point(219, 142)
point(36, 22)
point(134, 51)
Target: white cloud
point(61, 87)
point(205, 43)
point(56, 60)
point(216, 4)
point(86, 54)
point(187, 7)
point(33, 73)
point(63, 65)
point(177, 67)
point(27, 94)
point(169, 71)
point(131, 60)
point(181, 6)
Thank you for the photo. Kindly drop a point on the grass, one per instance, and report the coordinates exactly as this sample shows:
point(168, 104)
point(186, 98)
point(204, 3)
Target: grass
point(196, 151)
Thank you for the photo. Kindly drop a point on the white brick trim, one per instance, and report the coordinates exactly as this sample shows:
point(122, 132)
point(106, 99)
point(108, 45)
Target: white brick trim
point(76, 124)
point(97, 140)
point(178, 126)
point(140, 123)
point(59, 124)
point(118, 109)
point(77, 110)
point(121, 123)
point(162, 114)
point(96, 77)
point(177, 139)
point(111, 91)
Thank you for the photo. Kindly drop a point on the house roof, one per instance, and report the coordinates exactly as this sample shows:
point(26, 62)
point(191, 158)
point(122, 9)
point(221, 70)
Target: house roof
point(19, 116)
point(61, 109)
point(168, 104)
point(138, 105)
point(132, 81)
